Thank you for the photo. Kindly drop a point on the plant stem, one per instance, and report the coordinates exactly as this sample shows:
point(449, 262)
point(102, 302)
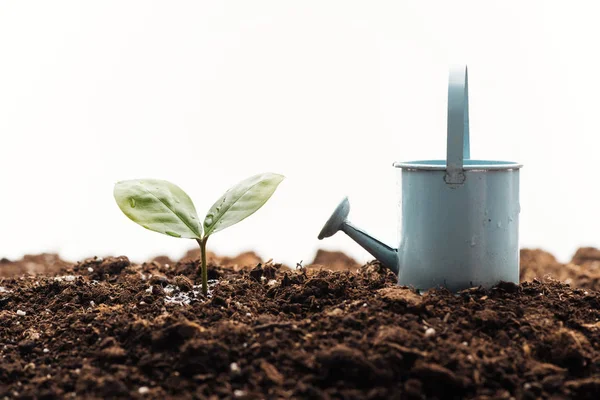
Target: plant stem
point(203, 266)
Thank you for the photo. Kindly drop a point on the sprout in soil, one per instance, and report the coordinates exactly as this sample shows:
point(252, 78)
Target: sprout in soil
point(163, 207)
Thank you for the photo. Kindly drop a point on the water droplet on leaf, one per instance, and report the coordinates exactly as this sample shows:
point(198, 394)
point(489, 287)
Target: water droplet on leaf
point(499, 224)
point(208, 220)
point(132, 202)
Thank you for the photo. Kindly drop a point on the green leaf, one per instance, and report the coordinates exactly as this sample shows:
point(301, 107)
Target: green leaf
point(241, 201)
point(159, 206)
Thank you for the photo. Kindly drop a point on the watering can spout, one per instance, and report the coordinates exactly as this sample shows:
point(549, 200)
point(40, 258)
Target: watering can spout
point(339, 222)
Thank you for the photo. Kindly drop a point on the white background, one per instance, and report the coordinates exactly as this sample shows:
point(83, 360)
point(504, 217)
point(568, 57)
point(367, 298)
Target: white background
point(328, 93)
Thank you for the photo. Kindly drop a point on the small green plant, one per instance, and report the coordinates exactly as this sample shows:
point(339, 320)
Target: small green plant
point(163, 207)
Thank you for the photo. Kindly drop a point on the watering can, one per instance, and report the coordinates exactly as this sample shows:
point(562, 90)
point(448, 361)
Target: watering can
point(459, 220)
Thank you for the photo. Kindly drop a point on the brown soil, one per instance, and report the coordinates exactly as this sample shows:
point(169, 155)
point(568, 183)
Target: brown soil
point(112, 329)
point(334, 260)
point(583, 271)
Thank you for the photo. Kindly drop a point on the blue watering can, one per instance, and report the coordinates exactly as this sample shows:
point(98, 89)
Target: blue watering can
point(459, 222)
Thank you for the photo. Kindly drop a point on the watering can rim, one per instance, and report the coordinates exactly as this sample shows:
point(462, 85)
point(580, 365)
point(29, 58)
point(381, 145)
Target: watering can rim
point(468, 164)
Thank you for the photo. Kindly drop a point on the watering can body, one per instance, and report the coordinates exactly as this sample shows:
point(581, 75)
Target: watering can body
point(459, 217)
point(458, 236)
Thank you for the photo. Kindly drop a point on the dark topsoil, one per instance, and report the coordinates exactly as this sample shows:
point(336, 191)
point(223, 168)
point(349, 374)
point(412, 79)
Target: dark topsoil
point(112, 329)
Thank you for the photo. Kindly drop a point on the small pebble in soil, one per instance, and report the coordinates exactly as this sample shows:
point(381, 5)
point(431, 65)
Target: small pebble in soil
point(430, 332)
point(169, 289)
point(90, 269)
point(67, 278)
point(239, 393)
point(29, 366)
point(235, 368)
point(21, 313)
point(159, 280)
point(184, 284)
point(143, 390)
point(46, 350)
point(335, 312)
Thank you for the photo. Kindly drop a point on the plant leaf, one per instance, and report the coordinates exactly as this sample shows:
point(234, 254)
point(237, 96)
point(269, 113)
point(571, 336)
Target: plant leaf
point(241, 201)
point(159, 206)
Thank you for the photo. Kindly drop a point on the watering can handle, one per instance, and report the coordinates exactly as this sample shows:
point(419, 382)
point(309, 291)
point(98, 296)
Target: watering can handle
point(458, 147)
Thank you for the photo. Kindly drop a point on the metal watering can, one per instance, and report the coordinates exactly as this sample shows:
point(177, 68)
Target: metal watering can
point(459, 222)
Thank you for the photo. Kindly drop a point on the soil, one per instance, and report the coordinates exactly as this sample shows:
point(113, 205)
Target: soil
point(108, 328)
point(334, 260)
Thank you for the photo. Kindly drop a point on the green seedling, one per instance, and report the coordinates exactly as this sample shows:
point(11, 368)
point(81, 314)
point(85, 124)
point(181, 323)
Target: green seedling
point(163, 207)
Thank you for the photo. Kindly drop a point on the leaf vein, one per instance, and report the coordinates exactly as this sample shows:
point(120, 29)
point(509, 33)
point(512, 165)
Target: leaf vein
point(216, 221)
point(174, 212)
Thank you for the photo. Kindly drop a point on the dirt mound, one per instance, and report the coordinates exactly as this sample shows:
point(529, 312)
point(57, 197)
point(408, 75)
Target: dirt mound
point(583, 271)
point(245, 260)
point(538, 264)
point(109, 328)
point(334, 260)
point(588, 257)
point(46, 264)
point(52, 264)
